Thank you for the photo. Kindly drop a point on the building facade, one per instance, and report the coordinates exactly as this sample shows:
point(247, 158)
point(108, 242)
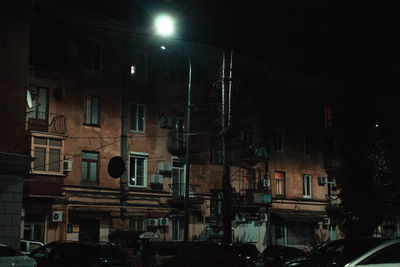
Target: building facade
point(100, 92)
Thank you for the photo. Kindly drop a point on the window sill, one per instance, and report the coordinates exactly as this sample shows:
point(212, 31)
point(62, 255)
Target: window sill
point(91, 125)
point(137, 132)
point(48, 173)
point(306, 197)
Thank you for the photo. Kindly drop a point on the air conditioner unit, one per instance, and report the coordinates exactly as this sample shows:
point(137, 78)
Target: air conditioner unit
point(322, 180)
point(266, 182)
point(165, 166)
point(56, 216)
point(240, 218)
point(163, 221)
point(152, 222)
point(166, 122)
point(324, 221)
point(156, 179)
point(67, 165)
point(264, 217)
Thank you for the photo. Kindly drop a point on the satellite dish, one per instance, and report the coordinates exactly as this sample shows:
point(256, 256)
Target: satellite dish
point(29, 98)
point(116, 167)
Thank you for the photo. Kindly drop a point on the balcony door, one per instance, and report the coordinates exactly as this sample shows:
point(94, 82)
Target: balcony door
point(38, 115)
point(178, 179)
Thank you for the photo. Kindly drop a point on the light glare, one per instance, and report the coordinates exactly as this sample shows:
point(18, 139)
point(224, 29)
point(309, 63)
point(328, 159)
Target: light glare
point(164, 25)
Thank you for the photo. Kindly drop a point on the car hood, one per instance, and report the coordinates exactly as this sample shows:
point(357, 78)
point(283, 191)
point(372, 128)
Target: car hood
point(295, 261)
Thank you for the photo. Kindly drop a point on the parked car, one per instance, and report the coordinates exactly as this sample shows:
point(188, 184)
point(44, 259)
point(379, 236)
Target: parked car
point(386, 254)
point(276, 255)
point(249, 252)
point(208, 255)
point(27, 246)
point(336, 253)
point(12, 257)
point(80, 254)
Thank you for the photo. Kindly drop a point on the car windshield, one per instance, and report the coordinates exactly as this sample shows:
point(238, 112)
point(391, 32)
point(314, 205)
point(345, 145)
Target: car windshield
point(327, 249)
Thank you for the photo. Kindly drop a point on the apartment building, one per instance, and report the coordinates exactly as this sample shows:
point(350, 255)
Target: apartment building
point(100, 91)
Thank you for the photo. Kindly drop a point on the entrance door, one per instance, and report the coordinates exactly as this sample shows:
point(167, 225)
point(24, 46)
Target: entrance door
point(89, 230)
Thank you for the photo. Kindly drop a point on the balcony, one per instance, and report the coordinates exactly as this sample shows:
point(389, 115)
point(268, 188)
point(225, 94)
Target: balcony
point(177, 195)
point(176, 142)
point(254, 153)
point(47, 122)
point(253, 198)
point(44, 185)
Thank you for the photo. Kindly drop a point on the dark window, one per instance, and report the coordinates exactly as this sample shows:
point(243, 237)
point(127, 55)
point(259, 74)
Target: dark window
point(139, 66)
point(390, 254)
point(216, 151)
point(328, 117)
point(94, 51)
point(137, 118)
point(278, 140)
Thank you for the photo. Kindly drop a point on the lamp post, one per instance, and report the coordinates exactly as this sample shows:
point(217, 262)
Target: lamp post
point(165, 27)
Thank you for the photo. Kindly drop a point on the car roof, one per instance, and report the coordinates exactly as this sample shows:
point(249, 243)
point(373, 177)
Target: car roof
point(373, 250)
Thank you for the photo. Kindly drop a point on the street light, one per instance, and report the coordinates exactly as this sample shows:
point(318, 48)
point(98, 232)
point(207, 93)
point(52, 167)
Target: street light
point(165, 27)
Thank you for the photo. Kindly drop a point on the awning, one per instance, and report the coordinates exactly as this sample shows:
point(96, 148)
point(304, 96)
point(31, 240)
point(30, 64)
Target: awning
point(296, 215)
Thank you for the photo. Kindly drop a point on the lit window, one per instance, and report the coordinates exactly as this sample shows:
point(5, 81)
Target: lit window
point(137, 170)
point(47, 154)
point(279, 178)
point(89, 165)
point(91, 110)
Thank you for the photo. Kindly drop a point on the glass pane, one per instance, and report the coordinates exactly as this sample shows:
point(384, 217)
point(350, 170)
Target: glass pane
point(134, 119)
point(54, 160)
point(87, 110)
point(40, 141)
point(40, 159)
point(84, 167)
point(132, 170)
point(95, 110)
point(140, 171)
point(55, 142)
point(140, 118)
point(93, 171)
point(90, 155)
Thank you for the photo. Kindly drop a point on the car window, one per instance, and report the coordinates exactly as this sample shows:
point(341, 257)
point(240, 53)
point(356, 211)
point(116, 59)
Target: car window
point(42, 252)
point(33, 246)
point(22, 246)
point(390, 254)
point(9, 252)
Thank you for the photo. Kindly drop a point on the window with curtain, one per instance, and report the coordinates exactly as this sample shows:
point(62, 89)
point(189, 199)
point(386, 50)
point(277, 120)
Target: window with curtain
point(91, 110)
point(137, 170)
point(138, 117)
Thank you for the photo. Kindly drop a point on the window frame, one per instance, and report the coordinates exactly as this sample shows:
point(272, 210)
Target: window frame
point(87, 181)
point(138, 155)
point(307, 186)
point(47, 148)
point(135, 129)
point(177, 228)
point(134, 222)
point(136, 64)
point(280, 187)
point(85, 109)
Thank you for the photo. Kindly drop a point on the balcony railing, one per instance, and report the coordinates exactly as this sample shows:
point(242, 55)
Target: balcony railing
point(176, 142)
point(47, 122)
point(258, 197)
point(177, 194)
point(44, 185)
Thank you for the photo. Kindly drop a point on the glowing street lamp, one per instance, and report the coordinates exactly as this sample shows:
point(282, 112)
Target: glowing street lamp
point(165, 26)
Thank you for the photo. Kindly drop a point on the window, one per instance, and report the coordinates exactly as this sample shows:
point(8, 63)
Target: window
point(306, 186)
point(281, 235)
point(328, 117)
point(177, 228)
point(137, 223)
point(249, 178)
point(278, 140)
point(390, 254)
point(138, 169)
point(89, 167)
point(178, 179)
point(91, 110)
point(137, 118)
point(47, 154)
point(279, 178)
point(94, 52)
point(331, 187)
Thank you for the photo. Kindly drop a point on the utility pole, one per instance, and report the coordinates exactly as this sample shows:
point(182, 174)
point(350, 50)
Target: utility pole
point(226, 118)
